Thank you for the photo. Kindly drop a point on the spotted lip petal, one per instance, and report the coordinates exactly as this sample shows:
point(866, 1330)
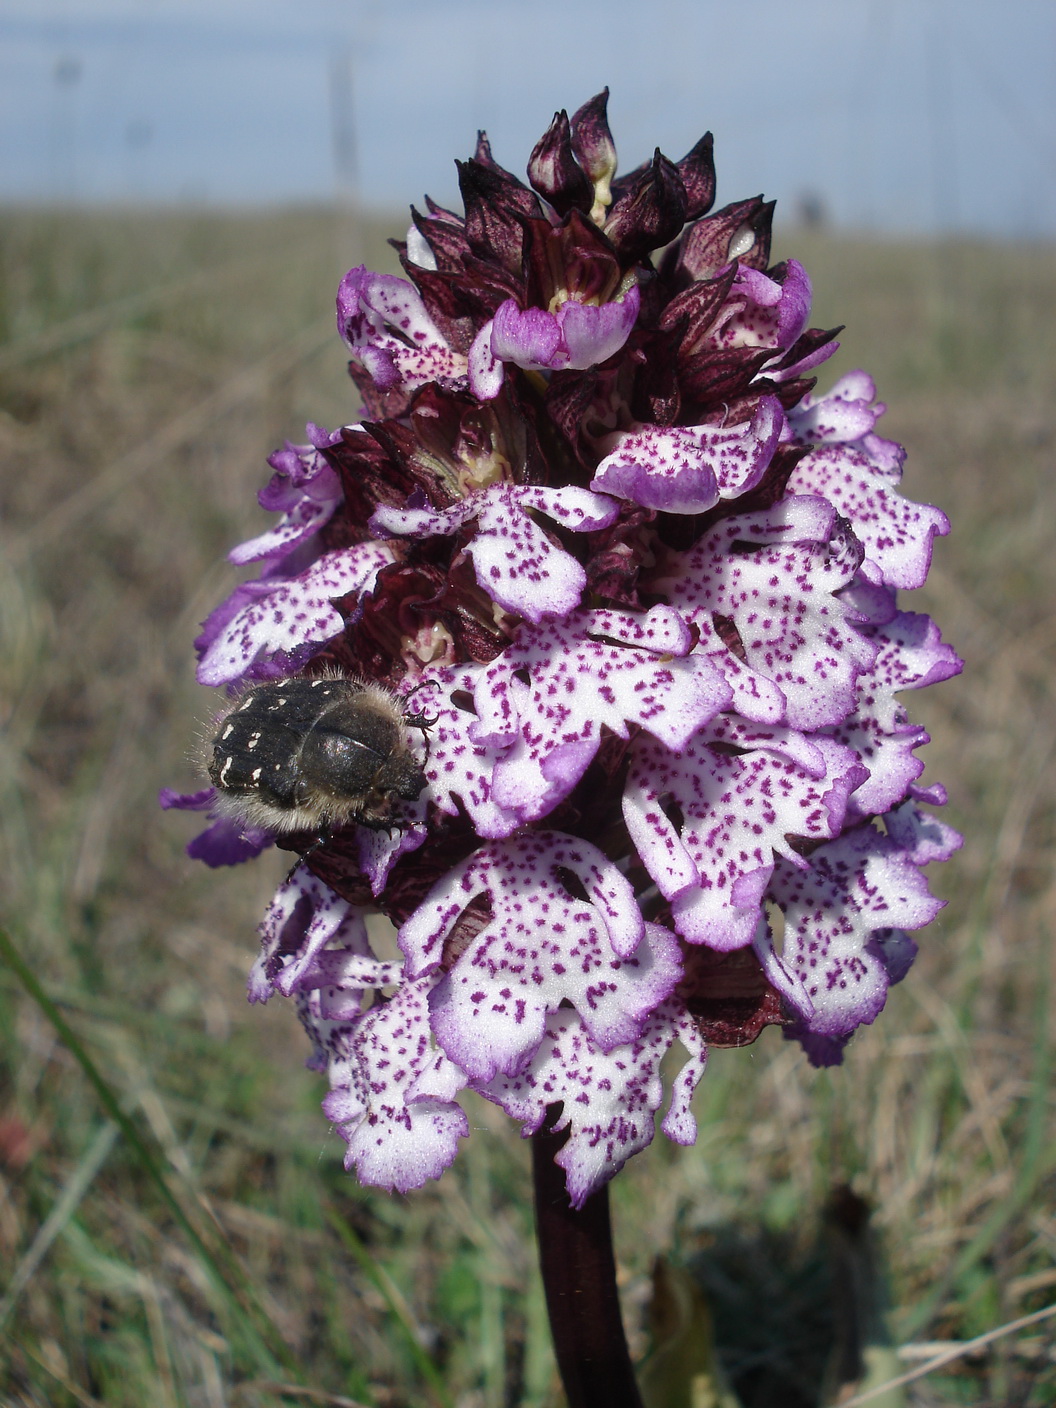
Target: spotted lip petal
point(300, 522)
point(542, 946)
point(458, 769)
point(596, 669)
point(379, 851)
point(286, 617)
point(763, 312)
point(896, 533)
point(843, 415)
point(740, 792)
point(384, 322)
point(862, 885)
point(514, 560)
point(911, 655)
point(609, 1098)
point(922, 837)
point(305, 490)
point(312, 938)
point(392, 1095)
point(753, 695)
point(687, 469)
point(779, 592)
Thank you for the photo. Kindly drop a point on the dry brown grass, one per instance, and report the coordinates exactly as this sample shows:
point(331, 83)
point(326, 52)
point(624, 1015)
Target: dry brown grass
point(149, 365)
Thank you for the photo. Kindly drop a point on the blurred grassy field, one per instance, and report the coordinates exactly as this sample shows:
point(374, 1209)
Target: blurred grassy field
point(147, 367)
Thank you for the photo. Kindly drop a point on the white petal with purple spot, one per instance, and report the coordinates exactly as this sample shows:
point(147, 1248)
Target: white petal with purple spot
point(896, 533)
point(294, 613)
point(842, 415)
point(312, 938)
point(384, 321)
point(923, 837)
point(391, 1102)
point(306, 490)
point(609, 1099)
point(299, 522)
point(563, 927)
point(911, 655)
point(687, 469)
point(855, 888)
point(739, 791)
point(459, 769)
point(515, 561)
point(596, 669)
point(774, 574)
point(760, 312)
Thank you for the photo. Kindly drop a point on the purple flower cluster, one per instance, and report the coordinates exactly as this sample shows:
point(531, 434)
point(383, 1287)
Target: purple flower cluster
point(647, 582)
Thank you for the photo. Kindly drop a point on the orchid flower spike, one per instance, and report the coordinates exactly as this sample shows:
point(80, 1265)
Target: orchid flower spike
point(620, 746)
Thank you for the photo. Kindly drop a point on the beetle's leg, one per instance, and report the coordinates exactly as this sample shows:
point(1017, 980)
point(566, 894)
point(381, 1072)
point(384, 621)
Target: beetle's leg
point(322, 839)
point(419, 720)
point(422, 721)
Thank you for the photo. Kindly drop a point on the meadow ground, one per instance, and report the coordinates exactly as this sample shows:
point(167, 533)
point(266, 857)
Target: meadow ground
point(148, 364)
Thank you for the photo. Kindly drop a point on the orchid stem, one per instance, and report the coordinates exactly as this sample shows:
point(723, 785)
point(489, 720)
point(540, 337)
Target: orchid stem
point(579, 1275)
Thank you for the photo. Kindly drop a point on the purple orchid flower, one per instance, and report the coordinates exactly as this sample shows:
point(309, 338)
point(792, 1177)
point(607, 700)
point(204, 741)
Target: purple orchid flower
point(576, 336)
point(687, 469)
point(305, 490)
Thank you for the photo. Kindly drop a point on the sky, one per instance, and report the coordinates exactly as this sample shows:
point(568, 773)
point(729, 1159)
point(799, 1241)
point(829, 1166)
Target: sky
point(891, 115)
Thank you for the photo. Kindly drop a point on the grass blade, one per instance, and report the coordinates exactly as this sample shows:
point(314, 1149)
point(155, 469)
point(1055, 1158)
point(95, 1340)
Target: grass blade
point(243, 1313)
point(398, 1306)
point(57, 1219)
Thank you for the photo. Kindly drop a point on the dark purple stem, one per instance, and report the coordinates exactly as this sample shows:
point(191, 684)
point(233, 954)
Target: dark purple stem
point(579, 1274)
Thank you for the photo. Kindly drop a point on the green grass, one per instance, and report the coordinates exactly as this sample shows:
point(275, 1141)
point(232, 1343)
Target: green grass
point(202, 1243)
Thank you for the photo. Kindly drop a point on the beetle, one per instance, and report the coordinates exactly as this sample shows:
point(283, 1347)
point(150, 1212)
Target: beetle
point(315, 755)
